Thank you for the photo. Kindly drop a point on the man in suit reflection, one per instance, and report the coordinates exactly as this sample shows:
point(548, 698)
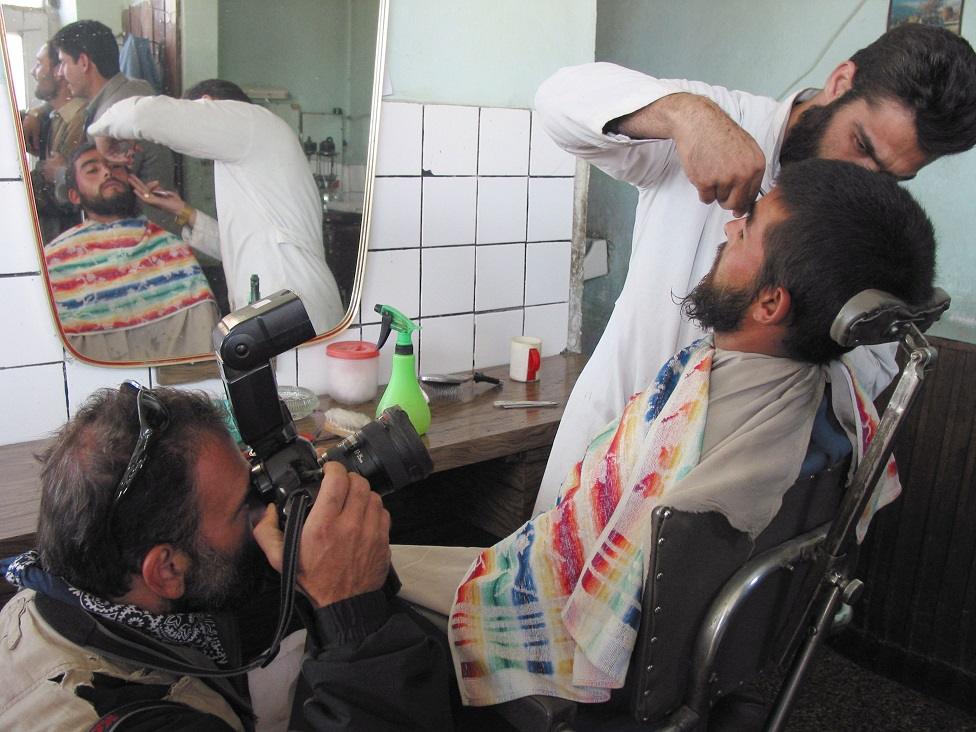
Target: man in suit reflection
point(125, 288)
point(89, 64)
point(52, 131)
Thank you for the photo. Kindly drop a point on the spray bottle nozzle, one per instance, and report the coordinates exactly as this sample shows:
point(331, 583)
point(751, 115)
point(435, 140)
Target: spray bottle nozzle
point(393, 319)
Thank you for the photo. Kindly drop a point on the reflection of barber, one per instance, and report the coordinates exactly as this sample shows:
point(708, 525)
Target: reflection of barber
point(161, 567)
point(52, 131)
point(89, 58)
point(125, 289)
point(268, 208)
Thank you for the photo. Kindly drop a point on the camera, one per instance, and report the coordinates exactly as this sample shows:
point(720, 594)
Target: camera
point(387, 452)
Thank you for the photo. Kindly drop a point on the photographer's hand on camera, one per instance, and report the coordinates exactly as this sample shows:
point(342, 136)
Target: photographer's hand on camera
point(345, 545)
point(367, 660)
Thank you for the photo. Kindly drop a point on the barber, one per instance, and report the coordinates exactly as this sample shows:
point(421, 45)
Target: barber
point(697, 153)
point(146, 554)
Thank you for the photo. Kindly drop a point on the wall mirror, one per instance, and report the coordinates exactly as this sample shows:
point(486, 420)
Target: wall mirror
point(317, 64)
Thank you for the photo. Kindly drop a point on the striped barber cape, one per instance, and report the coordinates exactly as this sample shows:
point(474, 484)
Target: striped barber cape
point(121, 275)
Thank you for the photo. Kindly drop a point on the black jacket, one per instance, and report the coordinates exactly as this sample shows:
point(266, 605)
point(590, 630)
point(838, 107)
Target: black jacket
point(369, 666)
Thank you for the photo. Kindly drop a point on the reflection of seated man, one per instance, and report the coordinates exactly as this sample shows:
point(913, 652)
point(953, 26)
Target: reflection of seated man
point(52, 131)
point(154, 565)
point(89, 56)
point(125, 289)
point(554, 608)
point(268, 209)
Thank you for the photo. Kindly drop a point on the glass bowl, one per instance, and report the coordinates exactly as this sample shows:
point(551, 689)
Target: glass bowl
point(301, 401)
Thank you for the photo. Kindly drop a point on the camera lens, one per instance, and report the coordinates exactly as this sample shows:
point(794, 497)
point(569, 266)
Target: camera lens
point(387, 452)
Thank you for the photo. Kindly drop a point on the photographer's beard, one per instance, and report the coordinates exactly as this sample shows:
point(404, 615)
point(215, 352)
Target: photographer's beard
point(123, 203)
point(216, 581)
point(719, 308)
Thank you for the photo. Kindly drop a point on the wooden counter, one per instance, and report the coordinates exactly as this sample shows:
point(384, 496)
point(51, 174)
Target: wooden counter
point(460, 434)
point(466, 433)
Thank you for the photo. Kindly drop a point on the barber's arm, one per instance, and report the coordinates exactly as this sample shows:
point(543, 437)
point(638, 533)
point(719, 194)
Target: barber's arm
point(369, 665)
point(629, 124)
point(197, 228)
point(201, 128)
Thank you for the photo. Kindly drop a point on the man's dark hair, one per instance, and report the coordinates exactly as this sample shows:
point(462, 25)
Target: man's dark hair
point(930, 70)
point(80, 537)
point(217, 89)
point(70, 176)
point(848, 229)
point(52, 54)
point(92, 38)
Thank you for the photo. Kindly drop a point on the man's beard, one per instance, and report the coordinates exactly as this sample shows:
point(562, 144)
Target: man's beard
point(803, 139)
point(720, 308)
point(216, 581)
point(46, 89)
point(124, 204)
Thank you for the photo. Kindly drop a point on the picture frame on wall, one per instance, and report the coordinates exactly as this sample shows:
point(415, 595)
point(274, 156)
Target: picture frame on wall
point(943, 13)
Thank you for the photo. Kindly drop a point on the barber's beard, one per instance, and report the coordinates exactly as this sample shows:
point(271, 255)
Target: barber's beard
point(719, 308)
point(216, 581)
point(124, 204)
point(803, 139)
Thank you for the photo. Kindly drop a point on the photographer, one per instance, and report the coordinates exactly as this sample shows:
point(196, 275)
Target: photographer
point(144, 543)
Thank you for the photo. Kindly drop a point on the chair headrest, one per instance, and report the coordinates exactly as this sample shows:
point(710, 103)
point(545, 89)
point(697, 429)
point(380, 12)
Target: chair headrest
point(874, 316)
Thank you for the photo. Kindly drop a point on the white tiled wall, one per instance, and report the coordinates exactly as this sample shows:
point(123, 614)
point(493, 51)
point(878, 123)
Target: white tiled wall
point(471, 226)
point(489, 257)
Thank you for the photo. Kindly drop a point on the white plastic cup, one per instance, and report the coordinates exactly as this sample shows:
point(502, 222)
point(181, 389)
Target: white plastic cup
point(353, 371)
point(525, 359)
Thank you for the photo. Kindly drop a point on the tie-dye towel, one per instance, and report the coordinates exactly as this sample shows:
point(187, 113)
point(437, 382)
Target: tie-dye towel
point(121, 275)
point(554, 608)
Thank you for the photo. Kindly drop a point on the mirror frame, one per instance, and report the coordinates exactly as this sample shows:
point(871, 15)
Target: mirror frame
point(207, 361)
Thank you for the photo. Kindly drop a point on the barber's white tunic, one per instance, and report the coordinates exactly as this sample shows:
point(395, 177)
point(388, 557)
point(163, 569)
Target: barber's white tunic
point(269, 212)
point(674, 242)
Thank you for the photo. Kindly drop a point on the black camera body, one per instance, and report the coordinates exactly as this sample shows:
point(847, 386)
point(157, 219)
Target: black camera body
point(245, 341)
point(387, 452)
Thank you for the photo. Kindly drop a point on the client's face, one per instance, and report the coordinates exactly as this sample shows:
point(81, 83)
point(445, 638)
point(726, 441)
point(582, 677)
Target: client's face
point(721, 300)
point(103, 187)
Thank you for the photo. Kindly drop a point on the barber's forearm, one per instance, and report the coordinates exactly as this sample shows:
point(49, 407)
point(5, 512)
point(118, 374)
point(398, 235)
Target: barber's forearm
point(191, 128)
point(668, 118)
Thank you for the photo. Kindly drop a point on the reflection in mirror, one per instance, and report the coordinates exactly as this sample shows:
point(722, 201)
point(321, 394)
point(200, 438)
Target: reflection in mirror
point(142, 255)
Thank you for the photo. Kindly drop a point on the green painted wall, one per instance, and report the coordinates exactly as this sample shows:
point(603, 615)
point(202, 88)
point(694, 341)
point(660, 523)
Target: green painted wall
point(769, 47)
point(299, 44)
point(491, 54)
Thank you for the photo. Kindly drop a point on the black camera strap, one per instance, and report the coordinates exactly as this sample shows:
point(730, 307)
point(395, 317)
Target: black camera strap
point(296, 507)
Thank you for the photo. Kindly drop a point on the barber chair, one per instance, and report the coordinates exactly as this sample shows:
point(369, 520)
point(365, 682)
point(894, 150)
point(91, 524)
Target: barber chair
point(719, 609)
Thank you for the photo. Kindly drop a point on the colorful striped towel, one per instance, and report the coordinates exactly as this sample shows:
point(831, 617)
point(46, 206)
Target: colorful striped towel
point(554, 608)
point(121, 275)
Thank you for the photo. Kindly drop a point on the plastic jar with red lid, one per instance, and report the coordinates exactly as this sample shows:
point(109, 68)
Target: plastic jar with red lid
point(353, 368)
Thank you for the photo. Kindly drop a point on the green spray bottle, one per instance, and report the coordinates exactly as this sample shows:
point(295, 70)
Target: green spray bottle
point(403, 389)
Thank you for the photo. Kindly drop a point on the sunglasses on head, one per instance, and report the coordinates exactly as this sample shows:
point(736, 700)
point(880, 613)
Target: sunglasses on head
point(153, 421)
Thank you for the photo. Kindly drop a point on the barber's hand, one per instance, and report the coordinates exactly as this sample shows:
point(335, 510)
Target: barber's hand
point(345, 544)
point(153, 194)
point(121, 152)
point(721, 159)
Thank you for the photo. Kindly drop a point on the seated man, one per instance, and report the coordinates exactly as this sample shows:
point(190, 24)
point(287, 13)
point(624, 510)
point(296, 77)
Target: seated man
point(135, 566)
point(554, 608)
point(125, 289)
